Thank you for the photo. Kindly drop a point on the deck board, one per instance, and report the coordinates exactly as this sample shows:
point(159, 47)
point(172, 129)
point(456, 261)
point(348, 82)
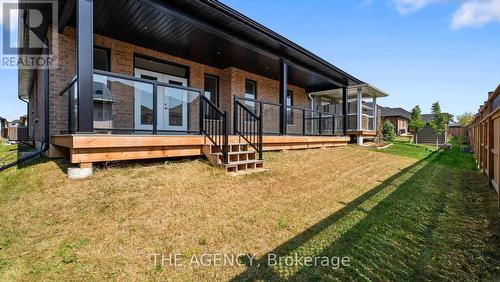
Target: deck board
point(102, 148)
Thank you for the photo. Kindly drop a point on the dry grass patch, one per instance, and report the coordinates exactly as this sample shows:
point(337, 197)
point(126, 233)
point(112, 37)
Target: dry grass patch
point(109, 225)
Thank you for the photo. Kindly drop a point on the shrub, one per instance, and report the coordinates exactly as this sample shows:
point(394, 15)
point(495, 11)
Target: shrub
point(388, 133)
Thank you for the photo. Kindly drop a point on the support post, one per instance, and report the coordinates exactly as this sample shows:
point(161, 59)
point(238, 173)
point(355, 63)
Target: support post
point(303, 122)
point(344, 109)
point(155, 111)
point(283, 94)
point(85, 63)
point(359, 111)
point(375, 113)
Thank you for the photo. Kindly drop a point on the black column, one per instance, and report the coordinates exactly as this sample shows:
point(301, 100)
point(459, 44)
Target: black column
point(283, 94)
point(344, 108)
point(85, 63)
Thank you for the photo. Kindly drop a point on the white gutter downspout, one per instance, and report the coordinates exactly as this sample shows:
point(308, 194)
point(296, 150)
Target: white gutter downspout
point(312, 101)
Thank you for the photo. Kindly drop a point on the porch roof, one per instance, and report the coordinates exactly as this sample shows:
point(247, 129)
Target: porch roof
point(352, 91)
point(211, 33)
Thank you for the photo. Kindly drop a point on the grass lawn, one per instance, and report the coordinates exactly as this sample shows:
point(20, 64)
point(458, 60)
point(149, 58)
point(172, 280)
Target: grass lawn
point(411, 150)
point(8, 153)
point(396, 218)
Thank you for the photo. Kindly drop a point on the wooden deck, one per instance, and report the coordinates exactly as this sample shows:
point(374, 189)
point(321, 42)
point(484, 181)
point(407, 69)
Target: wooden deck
point(363, 133)
point(82, 148)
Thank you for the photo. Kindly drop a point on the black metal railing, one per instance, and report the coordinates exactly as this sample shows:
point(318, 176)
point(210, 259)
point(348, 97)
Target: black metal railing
point(130, 105)
point(70, 91)
point(248, 125)
point(213, 124)
point(305, 122)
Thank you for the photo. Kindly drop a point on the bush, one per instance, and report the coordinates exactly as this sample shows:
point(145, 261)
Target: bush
point(388, 133)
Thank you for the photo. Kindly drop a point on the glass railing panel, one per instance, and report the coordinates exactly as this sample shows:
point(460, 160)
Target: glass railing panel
point(178, 110)
point(295, 121)
point(122, 105)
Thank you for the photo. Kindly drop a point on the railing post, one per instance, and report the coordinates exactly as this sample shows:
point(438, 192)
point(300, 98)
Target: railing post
point(303, 122)
point(261, 130)
point(333, 125)
point(235, 115)
point(155, 109)
point(71, 110)
point(226, 138)
point(283, 65)
point(201, 113)
point(320, 125)
point(345, 118)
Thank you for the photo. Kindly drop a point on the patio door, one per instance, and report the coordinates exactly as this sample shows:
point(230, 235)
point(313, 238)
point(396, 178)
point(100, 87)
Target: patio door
point(172, 103)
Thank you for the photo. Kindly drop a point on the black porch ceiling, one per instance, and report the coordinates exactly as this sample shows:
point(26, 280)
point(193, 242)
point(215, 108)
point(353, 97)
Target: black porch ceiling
point(200, 31)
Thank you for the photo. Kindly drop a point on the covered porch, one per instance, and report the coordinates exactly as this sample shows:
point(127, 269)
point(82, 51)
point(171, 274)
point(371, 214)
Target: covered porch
point(142, 71)
point(362, 112)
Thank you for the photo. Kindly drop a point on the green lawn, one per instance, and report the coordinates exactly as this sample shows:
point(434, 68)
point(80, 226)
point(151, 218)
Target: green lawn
point(406, 214)
point(8, 153)
point(436, 220)
point(406, 149)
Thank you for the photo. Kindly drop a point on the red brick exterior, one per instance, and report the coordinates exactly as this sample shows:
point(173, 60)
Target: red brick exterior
point(231, 80)
point(399, 124)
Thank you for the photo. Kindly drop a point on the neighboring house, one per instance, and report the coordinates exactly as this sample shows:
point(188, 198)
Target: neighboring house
point(456, 130)
point(18, 130)
point(399, 117)
point(3, 128)
point(184, 78)
point(427, 135)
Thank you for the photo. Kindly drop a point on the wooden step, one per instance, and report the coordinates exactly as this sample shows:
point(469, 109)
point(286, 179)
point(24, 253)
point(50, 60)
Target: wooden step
point(236, 153)
point(242, 158)
point(244, 165)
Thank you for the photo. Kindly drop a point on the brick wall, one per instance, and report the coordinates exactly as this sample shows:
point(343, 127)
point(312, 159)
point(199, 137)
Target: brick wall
point(232, 81)
point(36, 110)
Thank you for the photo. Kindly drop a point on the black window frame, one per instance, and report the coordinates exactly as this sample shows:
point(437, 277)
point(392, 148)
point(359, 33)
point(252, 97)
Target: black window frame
point(289, 110)
point(162, 61)
point(108, 57)
point(217, 80)
point(255, 87)
point(251, 105)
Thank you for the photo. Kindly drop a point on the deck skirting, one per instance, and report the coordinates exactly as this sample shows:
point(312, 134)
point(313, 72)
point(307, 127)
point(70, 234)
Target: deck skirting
point(83, 148)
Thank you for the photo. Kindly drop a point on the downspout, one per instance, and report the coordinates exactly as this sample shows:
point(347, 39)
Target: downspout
point(45, 143)
point(312, 101)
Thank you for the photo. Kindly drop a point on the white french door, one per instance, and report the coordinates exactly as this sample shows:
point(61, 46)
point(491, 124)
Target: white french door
point(172, 103)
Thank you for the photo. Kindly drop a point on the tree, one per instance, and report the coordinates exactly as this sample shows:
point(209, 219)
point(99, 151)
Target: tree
point(388, 131)
point(439, 122)
point(465, 119)
point(416, 123)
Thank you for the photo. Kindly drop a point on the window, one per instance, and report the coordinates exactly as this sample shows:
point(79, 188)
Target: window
point(156, 65)
point(101, 59)
point(251, 93)
point(212, 88)
point(289, 103)
point(250, 89)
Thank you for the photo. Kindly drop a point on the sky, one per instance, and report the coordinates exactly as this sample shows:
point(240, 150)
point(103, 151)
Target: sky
point(418, 51)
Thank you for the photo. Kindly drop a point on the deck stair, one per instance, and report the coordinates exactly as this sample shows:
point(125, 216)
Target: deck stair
point(241, 158)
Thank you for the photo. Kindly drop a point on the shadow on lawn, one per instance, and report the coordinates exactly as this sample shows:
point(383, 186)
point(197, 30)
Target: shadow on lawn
point(395, 231)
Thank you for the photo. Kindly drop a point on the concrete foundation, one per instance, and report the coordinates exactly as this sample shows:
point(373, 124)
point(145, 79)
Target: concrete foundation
point(360, 140)
point(79, 172)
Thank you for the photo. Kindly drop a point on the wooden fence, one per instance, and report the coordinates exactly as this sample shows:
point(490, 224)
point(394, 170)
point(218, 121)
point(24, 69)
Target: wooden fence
point(484, 134)
point(19, 134)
